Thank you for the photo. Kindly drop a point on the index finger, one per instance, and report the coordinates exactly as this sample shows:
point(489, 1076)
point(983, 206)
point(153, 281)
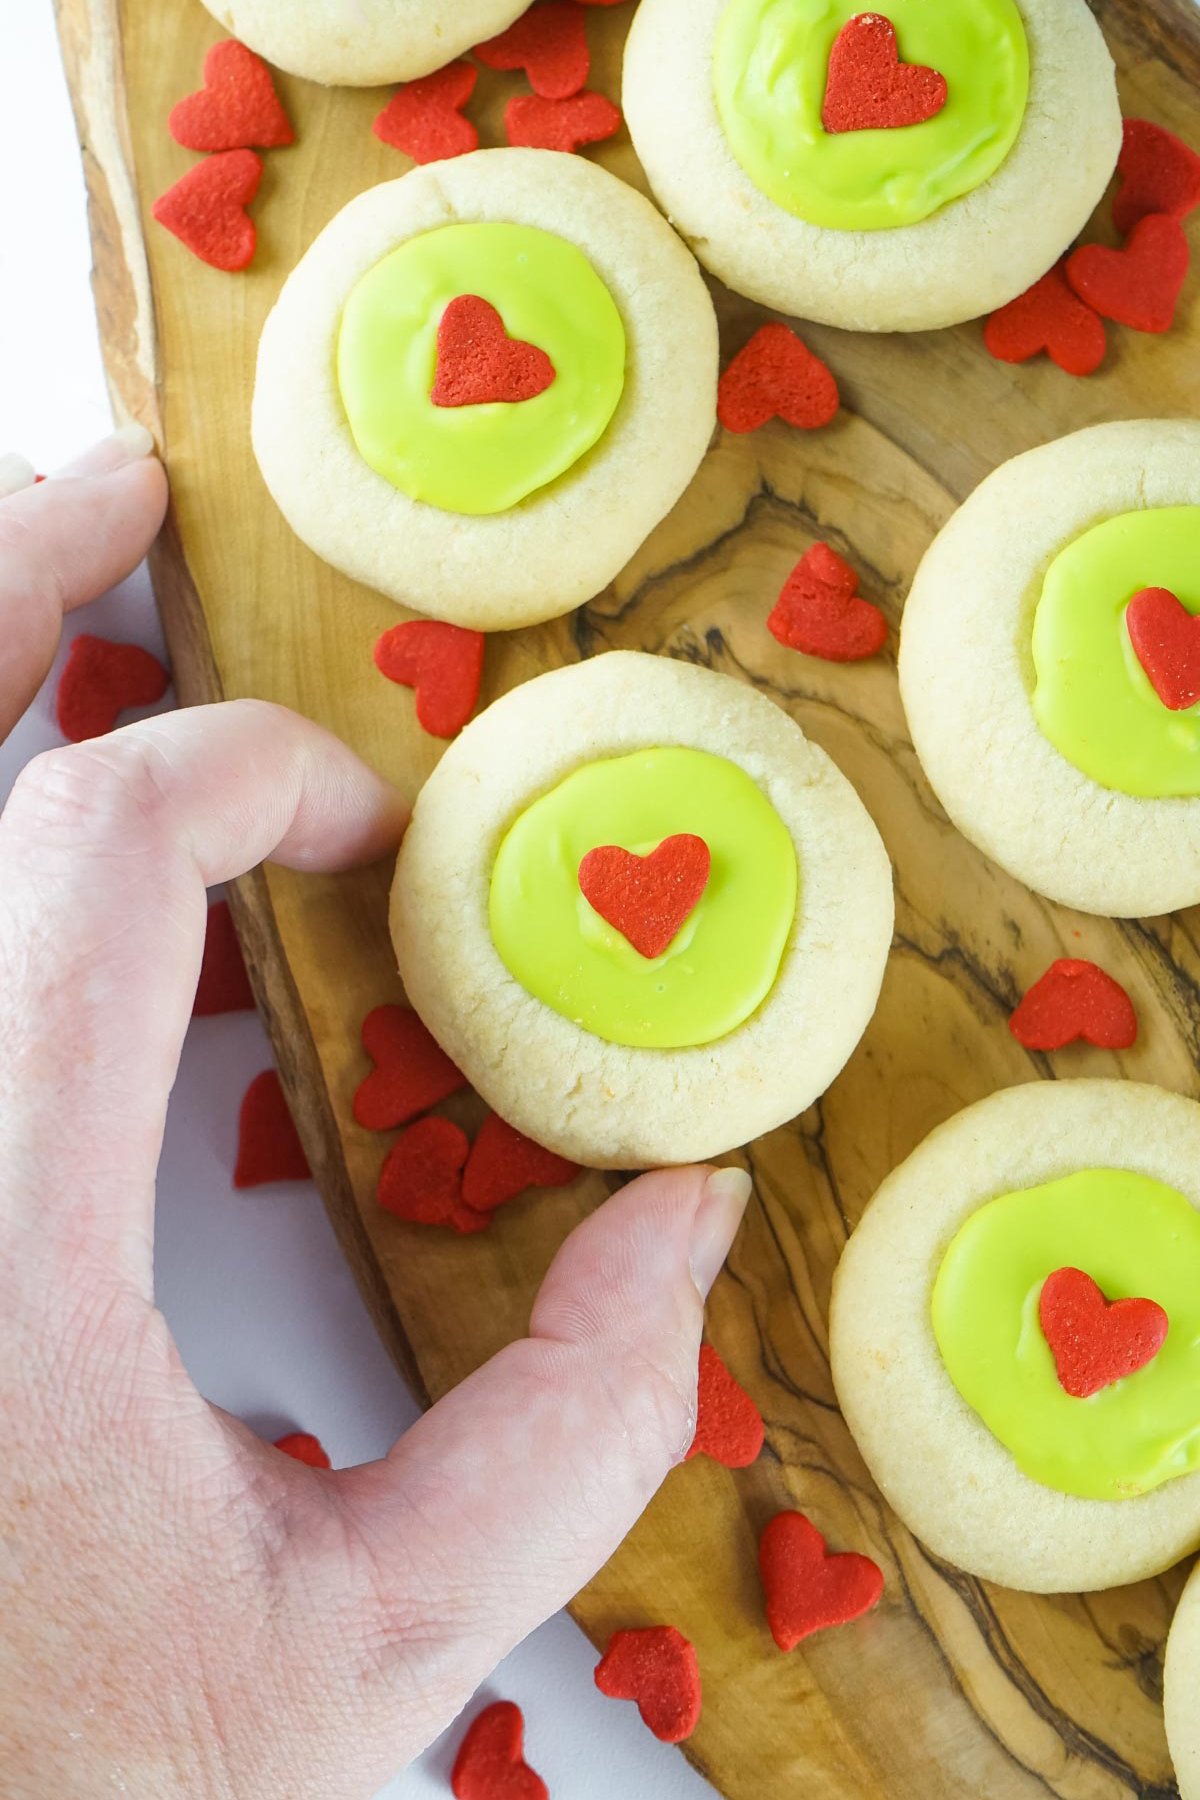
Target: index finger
point(106, 849)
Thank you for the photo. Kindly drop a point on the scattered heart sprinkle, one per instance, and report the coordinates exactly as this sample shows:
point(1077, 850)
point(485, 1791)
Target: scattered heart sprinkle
point(412, 1072)
point(807, 1588)
point(421, 1179)
point(550, 43)
point(729, 1426)
point(1050, 316)
point(206, 209)
point(1094, 1341)
point(657, 1667)
point(101, 680)
point(820, 612)
point(303, 1447)
point(424, 119)
point(442, 663)
point(776, 375)
point(1138, 285)
point(648, 899)
point(269, 1147)
point(236, 109)
point(504, 1163)
point(1159, 174)
point(1075, 999)
point(490, 1764)
point(224, 986)
point(540, 124)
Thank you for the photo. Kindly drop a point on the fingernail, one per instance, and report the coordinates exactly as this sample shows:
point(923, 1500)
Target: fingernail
point(715, 1226)
point(130, 444)
point(16, 474)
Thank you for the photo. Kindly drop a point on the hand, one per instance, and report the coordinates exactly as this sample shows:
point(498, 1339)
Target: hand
point(183, 1610)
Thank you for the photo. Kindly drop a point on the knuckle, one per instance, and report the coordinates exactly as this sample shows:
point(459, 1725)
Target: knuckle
point(108, 790)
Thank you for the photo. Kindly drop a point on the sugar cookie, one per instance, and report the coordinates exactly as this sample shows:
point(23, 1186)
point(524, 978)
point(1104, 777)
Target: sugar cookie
point(485, 384)
point(1015, 1335)
point(1181, 1685)
point(1068, 754)
point(620, 797)
point(879, 171)
point(363, 43)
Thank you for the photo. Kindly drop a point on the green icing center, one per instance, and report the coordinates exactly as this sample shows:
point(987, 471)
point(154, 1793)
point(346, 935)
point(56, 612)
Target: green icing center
point(1092, 698)
point(1133, 1236)
point(724, 960)
point(770, 65)
point(485, 458)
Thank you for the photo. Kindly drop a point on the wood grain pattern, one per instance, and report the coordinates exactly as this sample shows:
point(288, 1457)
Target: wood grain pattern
point(953, 1688)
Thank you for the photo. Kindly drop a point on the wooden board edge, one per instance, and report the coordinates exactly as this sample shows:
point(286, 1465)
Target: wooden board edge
point(89, 36)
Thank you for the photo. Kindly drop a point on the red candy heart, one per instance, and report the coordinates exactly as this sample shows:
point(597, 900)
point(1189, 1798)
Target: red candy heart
point(1049, 316)
point(303, 1447)
point(1166, 641)
point(206, 209)
point(421, 1179)
point(269, 1147)
point(236, 108)
point(503, 1163)
point(490, 1764)
point(541, 124)
point(819, 610)
point(869, 88)
point(412, 1072)
point(425, 118)
point(477, 361)
point(729, 1426)
point(1140, 284)
point(443, 663)
point(657, 1667)
point(775, 375)
point(647, 898)
point(1075, 999)
point(550, 43)
point(100, 681)
point(224, 986)
point(806, 1588)
point(1093, 1341)
point(1159, 174)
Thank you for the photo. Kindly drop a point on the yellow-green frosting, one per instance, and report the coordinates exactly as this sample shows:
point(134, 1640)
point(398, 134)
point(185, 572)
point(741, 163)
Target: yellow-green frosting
point(1092, 698)
point(478, 459)
point(770, 64)
point(722, 964)
point(1135, 1237)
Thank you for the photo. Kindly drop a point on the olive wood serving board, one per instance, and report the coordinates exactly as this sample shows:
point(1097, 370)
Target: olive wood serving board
point(953, 1687)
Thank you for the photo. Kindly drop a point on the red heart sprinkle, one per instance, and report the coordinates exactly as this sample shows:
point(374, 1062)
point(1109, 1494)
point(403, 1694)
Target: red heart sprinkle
point(819, 610)
point(647, 898)
point(490, 1764)
point(1159, 174)
point(729, 1426)
point(1093, 1341)
point(1049, 316)
point(776, 375)
point(541, 124)
point(100, 681)
point(421, 1179)
point(478, 363)
point(269, 1147)
point(224, 986)
point(657, 1667)
point(869, 88)
point(550, 43)
point(1166, 641)
point(503, 1163)
point(1075, 999)
point(444, 663)
point(1140, 284)
point(412, 1072)
point(236, 108)
point(806, 1588)
point(424, 119)
point(303, 1447)
point(206, 209)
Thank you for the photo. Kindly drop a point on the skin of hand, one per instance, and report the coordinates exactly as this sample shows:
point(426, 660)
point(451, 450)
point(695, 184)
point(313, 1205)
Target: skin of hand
point(184, 1610)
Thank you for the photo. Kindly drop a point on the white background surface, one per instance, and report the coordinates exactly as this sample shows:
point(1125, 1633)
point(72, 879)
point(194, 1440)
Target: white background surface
point(253, 1286)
